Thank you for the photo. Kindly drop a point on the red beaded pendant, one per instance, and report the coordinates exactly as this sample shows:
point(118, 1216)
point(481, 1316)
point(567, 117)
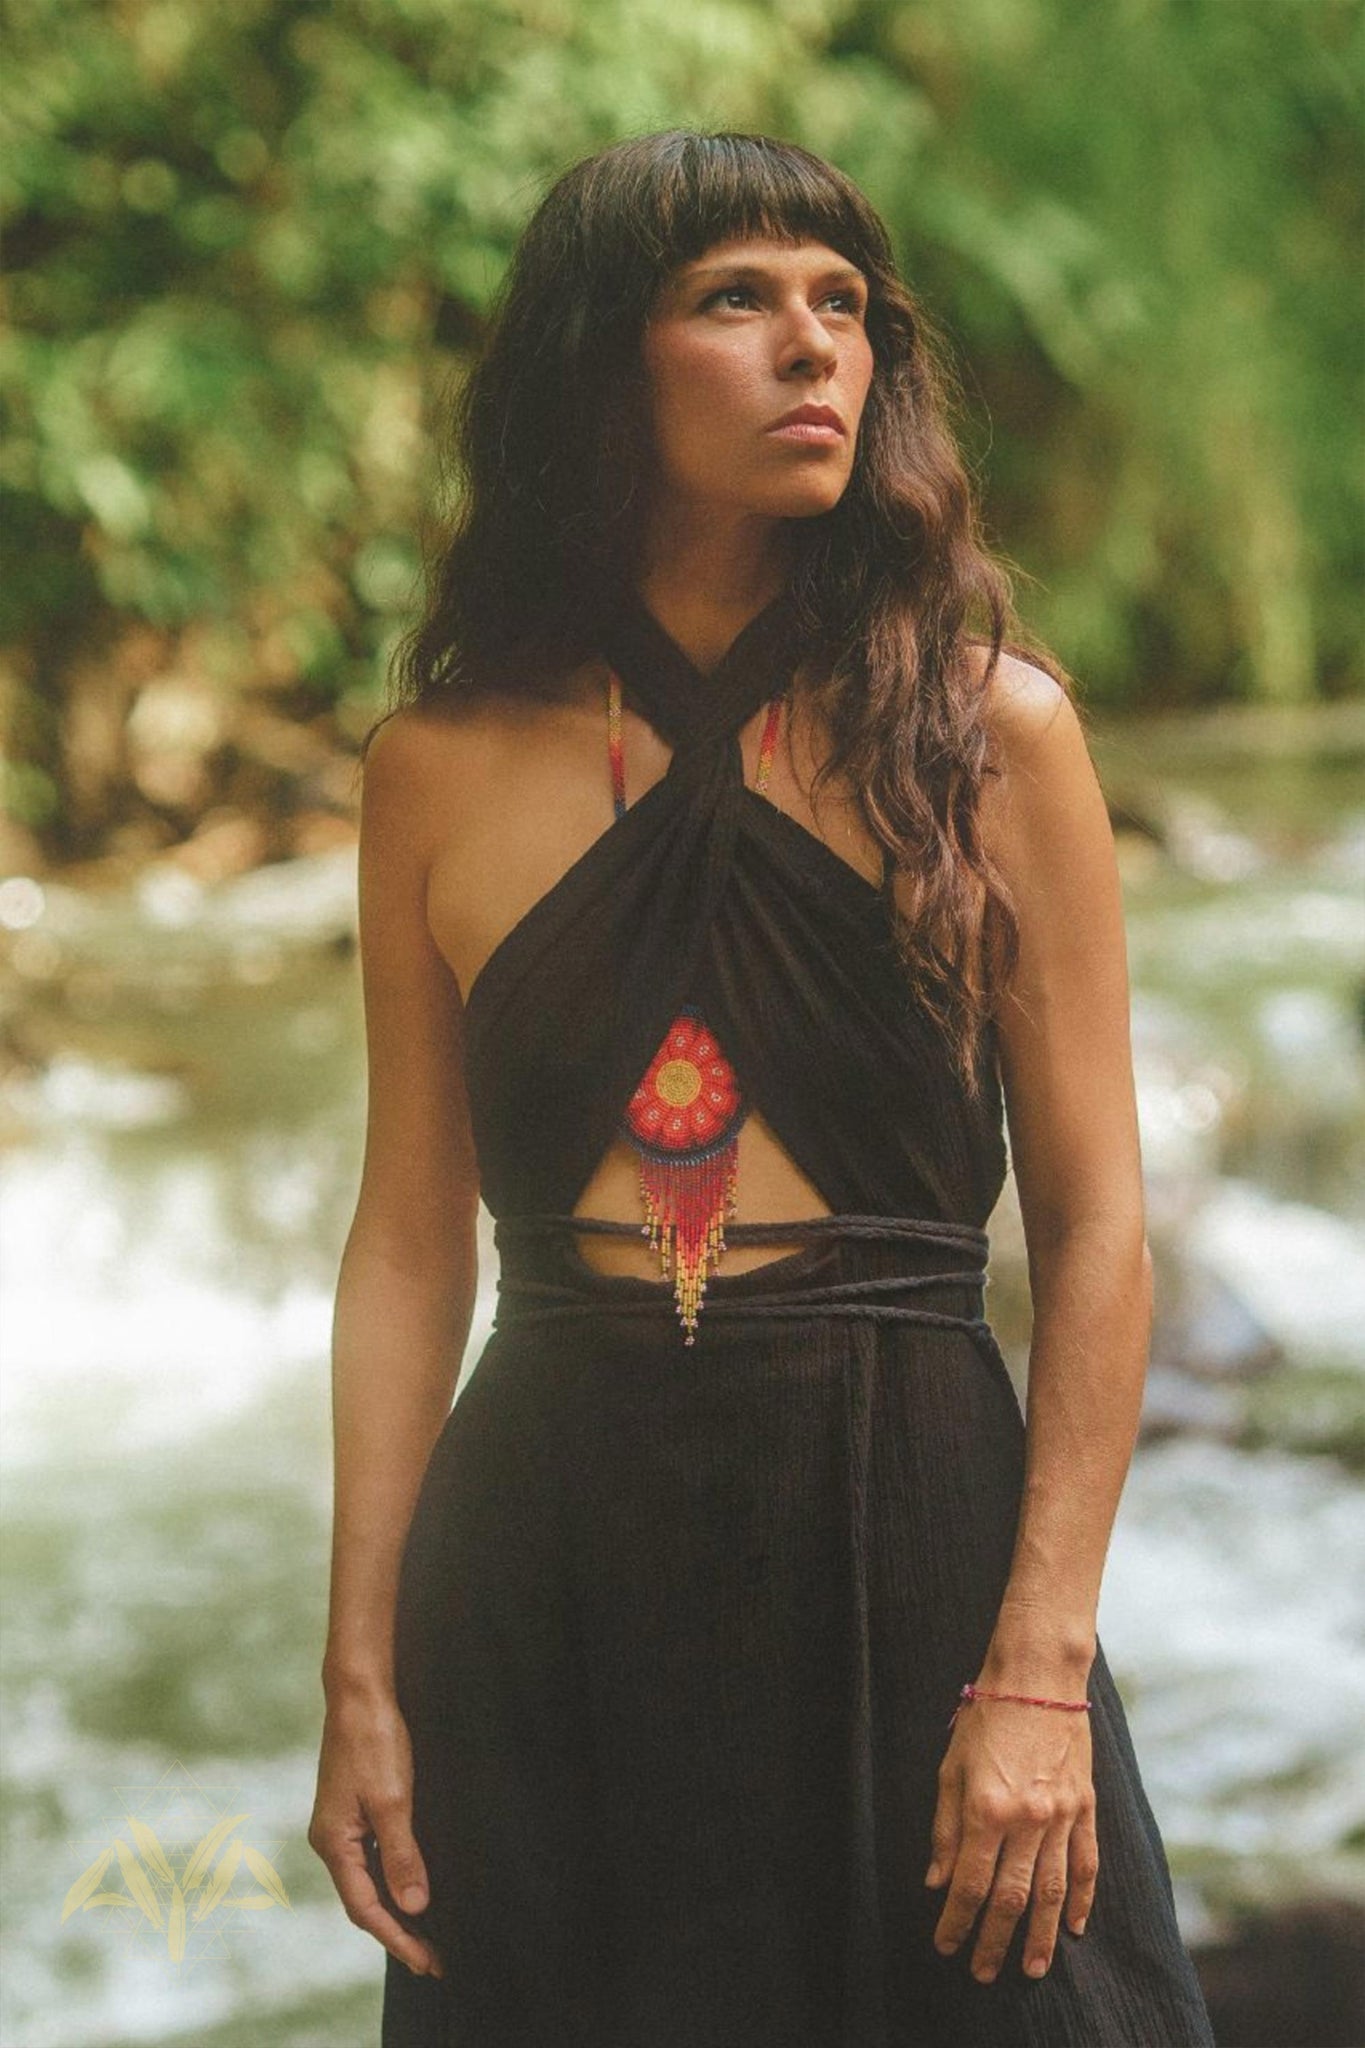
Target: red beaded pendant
point(684, 1121)
point(684, 1118)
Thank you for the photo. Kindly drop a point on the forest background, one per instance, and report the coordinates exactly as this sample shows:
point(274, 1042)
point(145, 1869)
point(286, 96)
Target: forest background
point(247, 250)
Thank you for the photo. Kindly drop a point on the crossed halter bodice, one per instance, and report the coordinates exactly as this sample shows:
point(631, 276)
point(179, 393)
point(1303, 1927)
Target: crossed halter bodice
point(704, 892)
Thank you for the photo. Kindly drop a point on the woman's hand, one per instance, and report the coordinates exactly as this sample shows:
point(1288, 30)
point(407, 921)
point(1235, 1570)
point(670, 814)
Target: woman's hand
point(1014, 1823)
point(365, 1788)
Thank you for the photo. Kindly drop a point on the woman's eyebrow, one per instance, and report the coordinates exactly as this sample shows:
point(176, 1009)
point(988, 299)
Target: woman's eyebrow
point(838, 274)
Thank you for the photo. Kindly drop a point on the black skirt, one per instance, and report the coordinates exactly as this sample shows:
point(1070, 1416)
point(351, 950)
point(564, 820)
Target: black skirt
point(679, 1635)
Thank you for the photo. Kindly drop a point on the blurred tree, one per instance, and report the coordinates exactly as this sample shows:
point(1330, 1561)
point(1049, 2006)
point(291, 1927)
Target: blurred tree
point(246, 247)
point(1142, 219)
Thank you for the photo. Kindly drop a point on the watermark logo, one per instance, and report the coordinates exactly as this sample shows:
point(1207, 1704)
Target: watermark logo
point(177, 1887)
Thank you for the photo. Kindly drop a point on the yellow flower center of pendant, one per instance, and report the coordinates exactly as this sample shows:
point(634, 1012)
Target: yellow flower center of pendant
point(679, 1083)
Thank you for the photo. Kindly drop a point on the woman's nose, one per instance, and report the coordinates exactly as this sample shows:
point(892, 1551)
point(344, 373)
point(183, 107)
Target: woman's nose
point(809, 343)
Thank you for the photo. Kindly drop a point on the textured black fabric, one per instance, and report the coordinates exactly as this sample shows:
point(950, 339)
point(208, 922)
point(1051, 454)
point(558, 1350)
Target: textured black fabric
point(680, 1630)
point(705, 892)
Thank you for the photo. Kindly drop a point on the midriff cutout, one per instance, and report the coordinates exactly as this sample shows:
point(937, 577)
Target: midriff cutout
point(771, 1189)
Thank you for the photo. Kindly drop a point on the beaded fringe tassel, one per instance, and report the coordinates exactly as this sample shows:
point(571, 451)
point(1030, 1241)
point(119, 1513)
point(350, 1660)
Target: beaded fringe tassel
point(687, 1202)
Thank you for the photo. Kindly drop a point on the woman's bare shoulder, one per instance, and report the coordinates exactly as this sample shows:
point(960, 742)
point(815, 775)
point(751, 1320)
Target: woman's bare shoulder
point(1043, 816)
point(1024, 703)
point(415, 734)
point(429, 743)
point(438, 772)
point(420, 766)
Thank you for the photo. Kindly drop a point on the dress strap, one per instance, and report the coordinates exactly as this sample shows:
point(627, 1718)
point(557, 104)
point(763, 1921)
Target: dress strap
point(698, 712)
point(616, 748)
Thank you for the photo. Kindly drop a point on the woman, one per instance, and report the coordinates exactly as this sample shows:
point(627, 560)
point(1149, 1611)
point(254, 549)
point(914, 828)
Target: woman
point(644, 1719)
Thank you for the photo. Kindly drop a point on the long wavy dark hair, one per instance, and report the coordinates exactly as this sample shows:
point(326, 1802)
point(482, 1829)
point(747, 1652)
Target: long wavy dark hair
point(547, 457)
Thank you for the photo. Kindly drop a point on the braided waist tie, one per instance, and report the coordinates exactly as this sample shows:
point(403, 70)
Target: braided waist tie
point(525, 1297)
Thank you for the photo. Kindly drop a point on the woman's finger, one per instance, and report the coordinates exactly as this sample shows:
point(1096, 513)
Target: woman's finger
point(396, 1862)
point(973, 1875)
point(1049, 1896)
point(1083, 1862)
point(1008, 1900)
point(359, 1895)
point(947, 1828)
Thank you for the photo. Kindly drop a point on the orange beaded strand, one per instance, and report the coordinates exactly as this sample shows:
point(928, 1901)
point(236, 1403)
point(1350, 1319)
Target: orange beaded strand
point(768, 743)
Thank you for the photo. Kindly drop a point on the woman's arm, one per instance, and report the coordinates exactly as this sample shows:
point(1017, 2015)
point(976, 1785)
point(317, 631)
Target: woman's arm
point(1066, 1066)
point(409, 1272)
point(1067, 1069)
point(404, 1304)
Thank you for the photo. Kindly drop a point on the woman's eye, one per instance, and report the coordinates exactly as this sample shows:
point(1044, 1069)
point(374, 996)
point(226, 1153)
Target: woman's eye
point(851, 300)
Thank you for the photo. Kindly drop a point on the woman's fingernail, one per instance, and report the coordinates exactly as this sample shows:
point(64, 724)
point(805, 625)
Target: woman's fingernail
point(412, 1898)
point(931, 1874)
point(1078, 1926)
point(1036, 1966)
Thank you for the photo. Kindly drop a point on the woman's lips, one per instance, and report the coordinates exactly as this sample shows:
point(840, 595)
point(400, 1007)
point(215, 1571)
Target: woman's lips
point(814, 431)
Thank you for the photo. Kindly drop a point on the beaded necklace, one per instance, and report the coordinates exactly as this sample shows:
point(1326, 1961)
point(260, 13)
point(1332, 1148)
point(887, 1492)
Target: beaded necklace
point(685, 1116)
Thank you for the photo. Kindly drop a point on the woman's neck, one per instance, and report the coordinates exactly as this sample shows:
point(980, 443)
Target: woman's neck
point(705, 594)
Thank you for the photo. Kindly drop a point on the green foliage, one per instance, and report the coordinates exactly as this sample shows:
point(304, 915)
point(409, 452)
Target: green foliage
point(1158, 206)
point(246, 247)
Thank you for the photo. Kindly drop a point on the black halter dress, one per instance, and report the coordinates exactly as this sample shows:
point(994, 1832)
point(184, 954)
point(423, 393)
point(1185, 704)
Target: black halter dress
point(680, 1629)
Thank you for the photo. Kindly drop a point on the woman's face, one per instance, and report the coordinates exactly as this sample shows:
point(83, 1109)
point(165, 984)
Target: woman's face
point(743, 335)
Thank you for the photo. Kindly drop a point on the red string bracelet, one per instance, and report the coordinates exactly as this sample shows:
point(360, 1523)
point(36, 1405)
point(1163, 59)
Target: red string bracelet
point(978, 1692)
